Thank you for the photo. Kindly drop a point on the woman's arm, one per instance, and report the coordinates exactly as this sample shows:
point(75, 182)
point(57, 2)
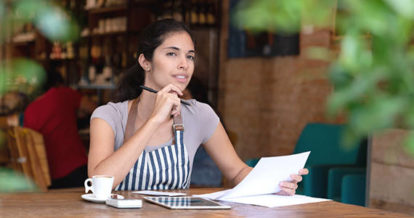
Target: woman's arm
point(222, 152)
point(103, 160)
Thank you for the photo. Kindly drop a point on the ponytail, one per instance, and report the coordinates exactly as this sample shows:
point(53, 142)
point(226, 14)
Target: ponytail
point(128, 86)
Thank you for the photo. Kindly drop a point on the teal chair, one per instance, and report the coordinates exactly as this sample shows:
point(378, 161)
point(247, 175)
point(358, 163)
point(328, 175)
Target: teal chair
point(353, 189)
point(329, 160)
point(252, 162)
point(338, 180)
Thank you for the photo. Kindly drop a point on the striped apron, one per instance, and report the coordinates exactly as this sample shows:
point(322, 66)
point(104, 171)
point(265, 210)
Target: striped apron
point(161, 169)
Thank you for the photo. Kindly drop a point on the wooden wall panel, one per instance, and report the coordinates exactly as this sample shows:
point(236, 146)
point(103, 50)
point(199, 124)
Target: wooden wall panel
point(391, 184)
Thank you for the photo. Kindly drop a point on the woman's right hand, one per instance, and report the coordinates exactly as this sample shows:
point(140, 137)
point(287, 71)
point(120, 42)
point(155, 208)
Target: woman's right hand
point(167, 103)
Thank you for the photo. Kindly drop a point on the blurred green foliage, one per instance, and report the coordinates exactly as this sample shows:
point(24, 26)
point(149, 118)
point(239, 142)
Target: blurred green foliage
point(21, 75)
point(373, 74)
point(24, 74)
point(49, 18)
point(281, 15)
point(52, 21)
point(12, 181)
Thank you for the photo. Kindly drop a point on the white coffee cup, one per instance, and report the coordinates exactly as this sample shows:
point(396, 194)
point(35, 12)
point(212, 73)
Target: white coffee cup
point(101, 186)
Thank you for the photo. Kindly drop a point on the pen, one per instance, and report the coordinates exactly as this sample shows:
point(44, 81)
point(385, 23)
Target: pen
point(155, 91)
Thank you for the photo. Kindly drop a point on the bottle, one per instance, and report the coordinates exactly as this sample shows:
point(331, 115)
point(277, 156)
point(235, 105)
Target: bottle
point(70, 53)
point(211, 18)
point(193, 13)
point(202, 12)
point(176, 13)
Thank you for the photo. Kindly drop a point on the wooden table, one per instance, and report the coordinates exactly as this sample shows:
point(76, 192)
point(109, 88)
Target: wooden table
point(68, 203)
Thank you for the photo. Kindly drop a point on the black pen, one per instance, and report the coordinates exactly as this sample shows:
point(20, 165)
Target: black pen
point(155, 91)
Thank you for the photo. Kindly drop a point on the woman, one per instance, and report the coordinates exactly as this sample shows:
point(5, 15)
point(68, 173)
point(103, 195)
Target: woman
point(54, 115)
point(133, 139)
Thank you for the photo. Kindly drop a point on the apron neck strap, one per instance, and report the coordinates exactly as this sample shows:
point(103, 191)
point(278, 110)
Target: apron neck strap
point(132, 116)
point(177, 127)
point(178, 123)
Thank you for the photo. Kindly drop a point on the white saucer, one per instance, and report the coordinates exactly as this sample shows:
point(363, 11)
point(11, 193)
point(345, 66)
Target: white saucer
point(91, 197)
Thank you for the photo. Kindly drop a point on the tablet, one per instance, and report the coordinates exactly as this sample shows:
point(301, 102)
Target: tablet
point(186, 203)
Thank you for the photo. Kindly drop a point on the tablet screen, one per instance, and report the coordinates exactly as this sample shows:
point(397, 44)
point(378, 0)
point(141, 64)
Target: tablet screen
point(186, 203)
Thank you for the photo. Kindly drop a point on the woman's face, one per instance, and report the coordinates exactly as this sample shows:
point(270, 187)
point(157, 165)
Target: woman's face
point(172, 62)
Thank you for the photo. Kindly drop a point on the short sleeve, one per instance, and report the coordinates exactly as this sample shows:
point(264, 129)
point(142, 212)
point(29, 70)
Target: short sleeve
point(111, 114)
point(208, 120)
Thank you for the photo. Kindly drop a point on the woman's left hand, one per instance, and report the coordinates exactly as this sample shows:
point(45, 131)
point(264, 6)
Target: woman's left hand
point(289, 187)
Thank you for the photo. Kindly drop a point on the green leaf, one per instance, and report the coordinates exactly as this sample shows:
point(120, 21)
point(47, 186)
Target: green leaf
point(378, 113)
point(339, 77)
point(56, 25)
point(22, 75)
point(268, 15)
point(5, 78)
point(403, 7)
point(409, 144)
point(2, 10)
point(50, 19)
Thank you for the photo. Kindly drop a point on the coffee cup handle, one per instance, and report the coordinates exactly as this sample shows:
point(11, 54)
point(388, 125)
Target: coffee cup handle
point(87, 187)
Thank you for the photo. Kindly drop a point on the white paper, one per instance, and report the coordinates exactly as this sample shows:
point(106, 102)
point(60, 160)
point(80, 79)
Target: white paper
point(266, 176)
point(259, 186)
point(272, 200)
point(214, 195)
point(156, 193)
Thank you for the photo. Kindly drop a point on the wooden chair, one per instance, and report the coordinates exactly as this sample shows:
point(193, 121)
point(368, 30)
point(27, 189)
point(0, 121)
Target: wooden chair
point(4, 151)
point(5, 123)
point(28, 155)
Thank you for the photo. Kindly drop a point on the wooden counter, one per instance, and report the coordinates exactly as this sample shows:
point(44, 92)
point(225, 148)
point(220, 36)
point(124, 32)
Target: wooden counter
point(68, 202)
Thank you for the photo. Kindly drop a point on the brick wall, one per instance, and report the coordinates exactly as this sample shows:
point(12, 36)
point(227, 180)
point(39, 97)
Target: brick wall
point(265, 102)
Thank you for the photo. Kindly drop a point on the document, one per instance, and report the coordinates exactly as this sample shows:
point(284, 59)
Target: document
point(273, 200)
point(259, 186)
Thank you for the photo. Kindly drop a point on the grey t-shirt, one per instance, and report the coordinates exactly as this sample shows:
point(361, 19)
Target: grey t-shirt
point(200, 122)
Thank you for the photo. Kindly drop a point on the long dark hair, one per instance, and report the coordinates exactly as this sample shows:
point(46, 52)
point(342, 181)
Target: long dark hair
point(151, 37)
